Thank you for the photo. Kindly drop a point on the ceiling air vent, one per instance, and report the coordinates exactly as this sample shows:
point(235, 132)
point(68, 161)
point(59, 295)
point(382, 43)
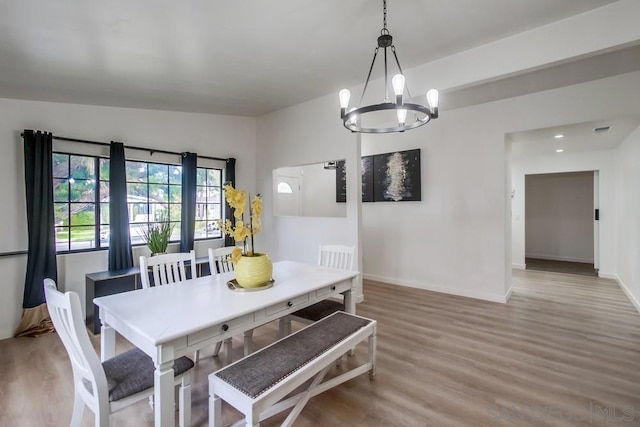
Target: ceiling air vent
point(602, 129)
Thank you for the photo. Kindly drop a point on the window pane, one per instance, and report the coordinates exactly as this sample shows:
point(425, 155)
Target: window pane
point(213, 194)
point(82, 167)
point(138, 212)
point(82, 190)
point(136, 192)
point(62, 238)
point(175, 234)
point(135, 231)
point(159, 211)
point(83, 237)
point(136, 172)
point(175, 174)
point(104, 169)
point(104, 213)
point(200, 232)
point(201, 211)
point(201, 176)
point(60, 190)
point(175, 193)
point(201, 194)
point(104, 192)
point(174, 211)
point(213, 177)
point(61, 213)
point(60, 165)
point(213, 212)
point(158, 174)
point(158, 193)
point(104, 236)
point(83, 214)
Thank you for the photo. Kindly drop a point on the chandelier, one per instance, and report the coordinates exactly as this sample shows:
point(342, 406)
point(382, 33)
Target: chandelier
point(379, 118)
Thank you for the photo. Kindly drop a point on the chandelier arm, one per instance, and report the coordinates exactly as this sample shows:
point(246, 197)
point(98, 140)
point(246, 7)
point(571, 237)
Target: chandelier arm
point(393, 49)
point(386, 80)
point(375, 53)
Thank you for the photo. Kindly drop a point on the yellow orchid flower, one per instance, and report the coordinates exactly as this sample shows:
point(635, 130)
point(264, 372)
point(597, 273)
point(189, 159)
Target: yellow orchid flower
point(236, 255)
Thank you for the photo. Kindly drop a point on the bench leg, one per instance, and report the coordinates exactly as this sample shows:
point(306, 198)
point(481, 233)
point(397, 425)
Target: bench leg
point(372, 354)
point(304, 398)
point(215, 408)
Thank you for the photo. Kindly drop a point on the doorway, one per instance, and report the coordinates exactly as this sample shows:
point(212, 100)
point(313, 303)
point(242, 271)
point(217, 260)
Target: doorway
point(560, 225)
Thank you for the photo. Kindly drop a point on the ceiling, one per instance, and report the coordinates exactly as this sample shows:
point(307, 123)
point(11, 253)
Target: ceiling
point(576, 138)
point(245, 57)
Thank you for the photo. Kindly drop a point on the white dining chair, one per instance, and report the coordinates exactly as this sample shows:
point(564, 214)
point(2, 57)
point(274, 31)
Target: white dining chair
point(332, 256)
point(220, 260)
point(167, 268)
point(115, 383)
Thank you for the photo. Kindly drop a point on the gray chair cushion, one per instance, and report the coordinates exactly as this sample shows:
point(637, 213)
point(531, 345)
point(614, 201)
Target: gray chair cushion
point(132, 372)
point(260, 371)
point(319, 310)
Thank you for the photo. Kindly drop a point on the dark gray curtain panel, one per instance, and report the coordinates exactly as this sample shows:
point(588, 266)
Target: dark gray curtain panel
point(38, 178)
point(188, 209)
point(229, 176)
point(120, 256)
point(41, 253)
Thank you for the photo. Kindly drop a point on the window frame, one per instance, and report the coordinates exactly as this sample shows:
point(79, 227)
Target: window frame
point(99, 246)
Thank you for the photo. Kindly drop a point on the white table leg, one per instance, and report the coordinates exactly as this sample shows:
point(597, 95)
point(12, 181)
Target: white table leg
point(164, 395)
point(349, 302)
point(107, 342)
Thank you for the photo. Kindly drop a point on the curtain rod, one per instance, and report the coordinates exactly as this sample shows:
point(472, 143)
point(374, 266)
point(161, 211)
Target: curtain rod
point(106, 144)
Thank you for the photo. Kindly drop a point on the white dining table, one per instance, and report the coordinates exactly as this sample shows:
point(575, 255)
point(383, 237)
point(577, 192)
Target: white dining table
point(171, 321)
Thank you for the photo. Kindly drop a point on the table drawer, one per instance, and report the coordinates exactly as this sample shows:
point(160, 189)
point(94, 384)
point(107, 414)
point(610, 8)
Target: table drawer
point(294, 302)
point(220, 329)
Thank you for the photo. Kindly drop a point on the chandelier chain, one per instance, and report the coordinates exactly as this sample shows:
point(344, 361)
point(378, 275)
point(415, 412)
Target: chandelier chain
point(384, 19)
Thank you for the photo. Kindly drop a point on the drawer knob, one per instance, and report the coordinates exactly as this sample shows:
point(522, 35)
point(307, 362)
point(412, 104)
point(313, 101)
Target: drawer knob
point(333, 288)
point(225, 327)
point(289, 303)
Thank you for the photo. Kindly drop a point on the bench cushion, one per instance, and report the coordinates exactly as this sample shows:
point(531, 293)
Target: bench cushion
point(319, 310)
point(132, 372)
point(260, 371)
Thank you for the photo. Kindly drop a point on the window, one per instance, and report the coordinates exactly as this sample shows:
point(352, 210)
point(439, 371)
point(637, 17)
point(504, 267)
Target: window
point(208, 203)
point(75, 202)
point(154, 192)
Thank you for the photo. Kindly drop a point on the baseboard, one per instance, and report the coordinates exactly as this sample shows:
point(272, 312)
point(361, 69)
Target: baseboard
point(559, 258)
point(519, 266)
point(605, 275)
point(626, 290)
point(507, 296)
point(428, 287)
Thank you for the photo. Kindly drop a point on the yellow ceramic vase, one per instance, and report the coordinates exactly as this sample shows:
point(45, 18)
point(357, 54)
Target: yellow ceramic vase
point(253, 271)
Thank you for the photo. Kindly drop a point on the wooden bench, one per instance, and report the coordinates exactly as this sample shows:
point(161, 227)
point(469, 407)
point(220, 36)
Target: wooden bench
point(256, 384)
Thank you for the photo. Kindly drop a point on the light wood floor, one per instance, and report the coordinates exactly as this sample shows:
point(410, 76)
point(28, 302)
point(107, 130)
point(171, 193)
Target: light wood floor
point(565, 351)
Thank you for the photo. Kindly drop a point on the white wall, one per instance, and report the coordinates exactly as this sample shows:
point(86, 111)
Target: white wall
point(601, 161)
point(307, 133)
point(628, 216)
point(212, 135)
point(455, 239)
point(559, 216)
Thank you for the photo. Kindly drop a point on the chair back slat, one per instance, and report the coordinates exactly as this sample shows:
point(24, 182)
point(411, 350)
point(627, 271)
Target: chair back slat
point(220, 260)
point(167, 268)
point(337, 256)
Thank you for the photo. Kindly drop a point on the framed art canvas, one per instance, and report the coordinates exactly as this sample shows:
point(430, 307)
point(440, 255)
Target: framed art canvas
point(396, 176)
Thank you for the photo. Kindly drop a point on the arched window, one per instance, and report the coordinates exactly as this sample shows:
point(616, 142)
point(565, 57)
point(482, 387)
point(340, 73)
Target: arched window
point(284, 188)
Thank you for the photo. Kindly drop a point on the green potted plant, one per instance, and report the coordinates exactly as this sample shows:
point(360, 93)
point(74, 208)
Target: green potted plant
point(157, 236)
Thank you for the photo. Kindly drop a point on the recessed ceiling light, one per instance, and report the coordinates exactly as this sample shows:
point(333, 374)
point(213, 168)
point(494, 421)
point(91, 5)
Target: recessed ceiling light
point(558, 136)
point(559, 150)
